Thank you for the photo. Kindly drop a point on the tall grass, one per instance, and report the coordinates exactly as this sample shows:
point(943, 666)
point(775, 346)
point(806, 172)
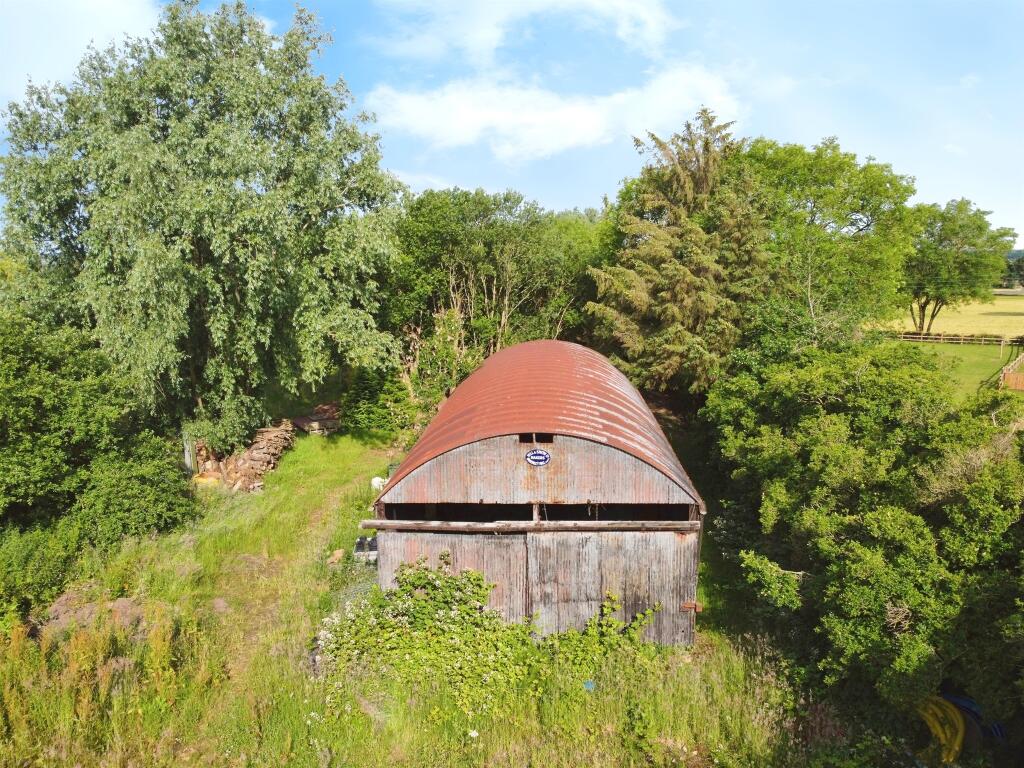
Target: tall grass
point(715, 704)
point(218, 672)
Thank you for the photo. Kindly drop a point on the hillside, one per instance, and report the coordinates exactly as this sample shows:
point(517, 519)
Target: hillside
point(218, 671)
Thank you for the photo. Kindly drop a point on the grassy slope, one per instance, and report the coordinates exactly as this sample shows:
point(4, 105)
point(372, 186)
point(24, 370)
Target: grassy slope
point(231, 606)
point(1003, 317)
point(971, 366)
point(220, 674)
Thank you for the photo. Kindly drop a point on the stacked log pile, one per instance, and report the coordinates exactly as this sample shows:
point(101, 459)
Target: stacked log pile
point(244, 471)
point(325, 419)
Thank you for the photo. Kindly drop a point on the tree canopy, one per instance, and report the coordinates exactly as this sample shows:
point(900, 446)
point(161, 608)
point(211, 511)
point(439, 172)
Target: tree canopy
point(958, 256)
point(477, 272)
point(839, 235)
point(691, 241)
point(212, 208)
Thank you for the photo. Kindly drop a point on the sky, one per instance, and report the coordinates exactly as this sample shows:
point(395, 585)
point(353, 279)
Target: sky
point(545, 96)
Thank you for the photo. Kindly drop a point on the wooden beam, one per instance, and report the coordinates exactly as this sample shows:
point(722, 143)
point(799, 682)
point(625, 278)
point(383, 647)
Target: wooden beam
point(528, 526)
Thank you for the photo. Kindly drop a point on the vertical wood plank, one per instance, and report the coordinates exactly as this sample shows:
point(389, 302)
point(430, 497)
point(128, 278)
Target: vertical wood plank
point(563, 577)
point(501, 559)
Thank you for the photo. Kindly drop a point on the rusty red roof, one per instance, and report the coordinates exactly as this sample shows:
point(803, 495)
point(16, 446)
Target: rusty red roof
point(548, 386)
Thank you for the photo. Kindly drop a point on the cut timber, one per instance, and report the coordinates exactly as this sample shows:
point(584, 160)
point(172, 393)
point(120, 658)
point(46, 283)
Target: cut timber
point(244, 471)
point(325, 419)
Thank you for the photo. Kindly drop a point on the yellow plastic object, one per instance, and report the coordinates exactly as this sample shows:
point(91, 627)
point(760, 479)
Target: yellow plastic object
point(947, 725)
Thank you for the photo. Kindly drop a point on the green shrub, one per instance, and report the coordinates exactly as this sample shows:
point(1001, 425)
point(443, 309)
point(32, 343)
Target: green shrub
point(877, 521)
point(377, 401)
point(61, 408)
point(134, 493)
point(35, 564)
point(78, 468)
point(434, 629)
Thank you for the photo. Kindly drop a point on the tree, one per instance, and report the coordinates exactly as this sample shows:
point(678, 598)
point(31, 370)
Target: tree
point(1014, 276)
point(477, 272)
point(691, 242)
point(877, 522)
point(958, 256)
point(839, 236)
point(214, 210)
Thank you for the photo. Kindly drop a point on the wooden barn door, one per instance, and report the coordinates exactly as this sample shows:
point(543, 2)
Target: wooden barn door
point(501, 559)
point(570, 573)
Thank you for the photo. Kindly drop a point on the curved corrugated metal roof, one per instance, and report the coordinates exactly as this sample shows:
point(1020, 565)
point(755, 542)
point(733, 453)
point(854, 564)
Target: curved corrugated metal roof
point(548, 386)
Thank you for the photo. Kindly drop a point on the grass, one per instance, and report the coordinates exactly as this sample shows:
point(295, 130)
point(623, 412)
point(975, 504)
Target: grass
point(971, 366)
point(1004, 316)
point(219, 673)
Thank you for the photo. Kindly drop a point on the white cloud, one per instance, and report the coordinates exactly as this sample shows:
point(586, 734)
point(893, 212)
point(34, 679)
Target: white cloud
point(418, 182)
point(269, 25)
point(45, 40)
point(522, 122)
point(477, 28)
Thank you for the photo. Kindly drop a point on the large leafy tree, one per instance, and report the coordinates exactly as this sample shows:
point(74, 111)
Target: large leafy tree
point(691, 245)
point(840, 232)
point(479, 271)
point(215, 211)
point(878, 522)
point(958, 256)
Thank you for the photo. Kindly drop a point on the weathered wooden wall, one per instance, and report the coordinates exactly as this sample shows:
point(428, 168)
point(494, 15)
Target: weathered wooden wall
point(502, 559)
point(495, 471)
point(563, 577)
point(571, 573)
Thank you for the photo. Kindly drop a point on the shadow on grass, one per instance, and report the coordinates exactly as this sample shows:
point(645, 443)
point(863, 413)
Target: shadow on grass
point(371, 438)
point(280, 403)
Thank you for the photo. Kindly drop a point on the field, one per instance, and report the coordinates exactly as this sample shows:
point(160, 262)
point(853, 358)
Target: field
point(971, 366)
point(1003, 317)
point(218, 672)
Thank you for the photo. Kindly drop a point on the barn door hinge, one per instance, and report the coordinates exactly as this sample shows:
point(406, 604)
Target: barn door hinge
point(692, 605)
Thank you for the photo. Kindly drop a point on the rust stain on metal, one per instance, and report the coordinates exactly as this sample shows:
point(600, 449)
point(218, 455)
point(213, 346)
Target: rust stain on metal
point(552, 387)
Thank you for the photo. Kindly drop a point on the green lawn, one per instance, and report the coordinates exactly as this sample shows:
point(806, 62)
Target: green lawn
point(971, 366)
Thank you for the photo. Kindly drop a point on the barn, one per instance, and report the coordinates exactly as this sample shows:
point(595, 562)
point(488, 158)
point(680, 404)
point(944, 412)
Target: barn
point(546, 471)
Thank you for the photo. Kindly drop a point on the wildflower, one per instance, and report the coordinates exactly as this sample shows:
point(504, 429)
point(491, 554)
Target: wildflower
point(473, 734)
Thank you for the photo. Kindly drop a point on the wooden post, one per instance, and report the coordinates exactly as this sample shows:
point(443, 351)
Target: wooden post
point(189, 456)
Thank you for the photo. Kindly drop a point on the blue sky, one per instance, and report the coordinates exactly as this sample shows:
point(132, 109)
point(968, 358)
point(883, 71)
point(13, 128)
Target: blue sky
point(544, 95)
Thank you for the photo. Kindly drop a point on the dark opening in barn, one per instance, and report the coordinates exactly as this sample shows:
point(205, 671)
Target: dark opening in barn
point(546, 471)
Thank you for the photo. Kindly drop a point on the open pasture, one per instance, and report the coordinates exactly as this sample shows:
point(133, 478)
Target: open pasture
point(1002, 317)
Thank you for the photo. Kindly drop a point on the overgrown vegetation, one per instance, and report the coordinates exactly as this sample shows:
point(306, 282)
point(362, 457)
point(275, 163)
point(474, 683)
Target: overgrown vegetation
point(198, 234)
point(495, 694)
point(879, 517)
point(78, 468)
point(219, 671)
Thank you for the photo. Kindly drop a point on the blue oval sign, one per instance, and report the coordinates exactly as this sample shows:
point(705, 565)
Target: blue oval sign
point(537, 457)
